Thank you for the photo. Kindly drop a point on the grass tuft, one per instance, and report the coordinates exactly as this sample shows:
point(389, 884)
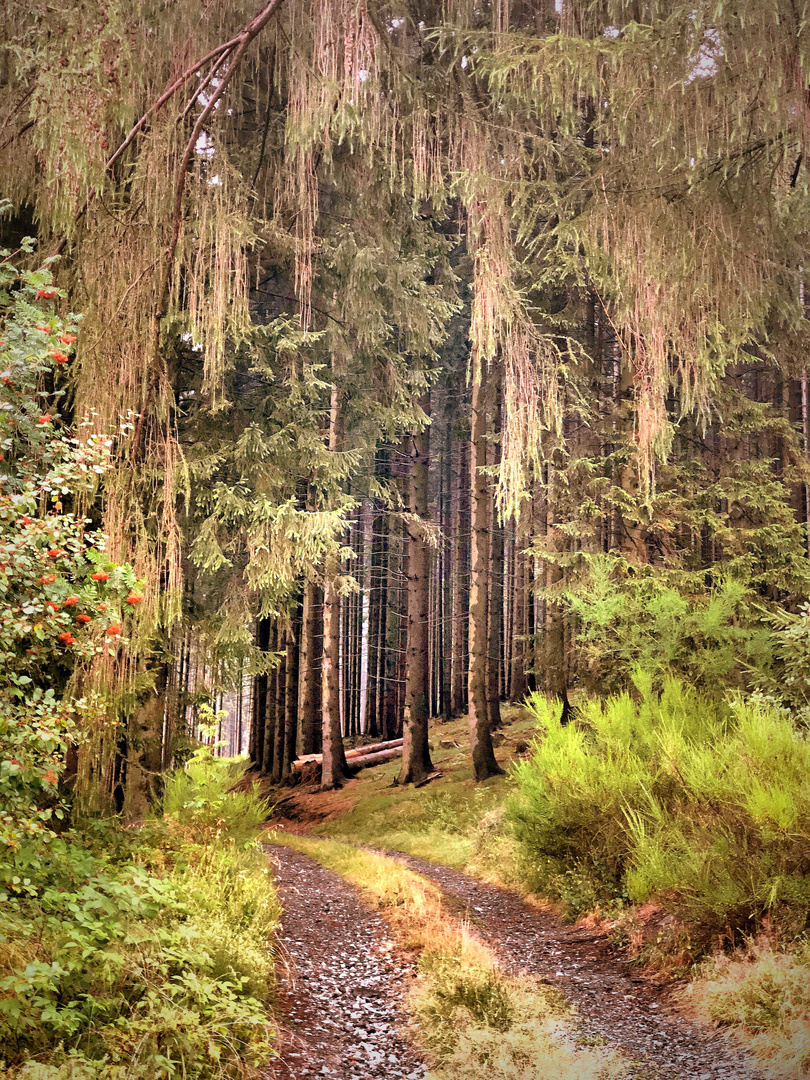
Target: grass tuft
point(762, 994)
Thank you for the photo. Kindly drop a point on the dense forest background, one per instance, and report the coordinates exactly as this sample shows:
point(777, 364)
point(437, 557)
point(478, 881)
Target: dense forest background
point(369, 362)
point(445, 353)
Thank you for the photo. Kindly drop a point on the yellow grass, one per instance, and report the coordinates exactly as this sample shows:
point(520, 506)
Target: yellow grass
point(762, 995)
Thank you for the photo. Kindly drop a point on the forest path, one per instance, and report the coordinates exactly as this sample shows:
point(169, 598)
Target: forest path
point(613, 1005)
point(342, 981)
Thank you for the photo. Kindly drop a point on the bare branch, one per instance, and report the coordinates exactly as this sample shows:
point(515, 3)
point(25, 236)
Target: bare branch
point(238, 43)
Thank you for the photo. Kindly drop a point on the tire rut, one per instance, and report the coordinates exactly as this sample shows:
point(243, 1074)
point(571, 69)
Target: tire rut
point(342, 981)
point(626, 1012)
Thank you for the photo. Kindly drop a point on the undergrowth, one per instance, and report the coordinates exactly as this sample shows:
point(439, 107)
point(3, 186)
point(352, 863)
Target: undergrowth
point(762, 993)
point(143, 954)
point(455, 821)
point(697, 809)
point(702, 808)
point(474, 1020)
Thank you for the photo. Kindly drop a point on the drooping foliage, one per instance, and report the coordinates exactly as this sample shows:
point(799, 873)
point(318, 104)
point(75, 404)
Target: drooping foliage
point(258, 211)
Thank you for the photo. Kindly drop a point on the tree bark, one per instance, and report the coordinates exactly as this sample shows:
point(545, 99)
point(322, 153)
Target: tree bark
point(458, 571)
point(394, 666)
point(144, 750)
point(334, 771)
point(281, 703)
point(483, 756)
point(291, 702)
point(376, 614)
point(446, 574)
point(270, 707)
point(309, 703)
point(259, 713)
point(495, 621)
point(518, 686)
point(416, 763)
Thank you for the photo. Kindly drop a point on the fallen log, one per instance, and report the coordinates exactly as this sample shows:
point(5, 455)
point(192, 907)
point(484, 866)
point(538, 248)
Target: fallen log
point(366, 760)
point(373, 750)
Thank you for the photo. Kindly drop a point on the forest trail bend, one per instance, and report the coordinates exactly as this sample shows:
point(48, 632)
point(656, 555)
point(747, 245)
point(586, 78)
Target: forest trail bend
point(628, 1013)
point(343, 982)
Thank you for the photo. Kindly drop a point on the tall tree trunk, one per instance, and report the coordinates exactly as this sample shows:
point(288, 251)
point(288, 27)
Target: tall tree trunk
point(144, 750)
point(483, 756)
point(375, 611)
point(334, 770)
point(382, 611)
point(364, 617)
point(281, 704)
point(309, 701)
point(554, 655)
point(259, 712)
point(394, 660)
point(518, 686)
point(291, 702)
point(495, 620)
point(270, 717)
point(416, 763)
point(446, 572)
point(459, 675)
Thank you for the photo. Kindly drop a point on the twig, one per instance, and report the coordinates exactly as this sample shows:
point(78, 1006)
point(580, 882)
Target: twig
point(167, 94)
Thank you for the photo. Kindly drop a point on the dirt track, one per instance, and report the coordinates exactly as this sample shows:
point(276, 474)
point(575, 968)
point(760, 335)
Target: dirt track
point(342, 982)
point(345, 983)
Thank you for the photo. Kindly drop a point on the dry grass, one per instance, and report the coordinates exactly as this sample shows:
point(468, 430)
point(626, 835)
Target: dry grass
point(762, 996)
point(473, 1020)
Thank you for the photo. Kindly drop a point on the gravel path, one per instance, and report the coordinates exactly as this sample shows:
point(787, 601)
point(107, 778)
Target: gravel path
point(613, 1005)
point(344, 982)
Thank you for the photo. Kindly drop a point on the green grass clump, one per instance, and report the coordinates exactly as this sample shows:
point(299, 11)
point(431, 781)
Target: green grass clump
point(132, 955)
point(201, 797)
point(702, 808)
point(763, 995)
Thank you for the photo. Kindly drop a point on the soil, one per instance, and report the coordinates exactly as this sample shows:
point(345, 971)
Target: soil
point(342, 981)
point(345, 982)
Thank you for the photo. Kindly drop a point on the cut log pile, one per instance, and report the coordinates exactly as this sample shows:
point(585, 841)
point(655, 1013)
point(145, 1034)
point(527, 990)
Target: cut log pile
point(359, 758)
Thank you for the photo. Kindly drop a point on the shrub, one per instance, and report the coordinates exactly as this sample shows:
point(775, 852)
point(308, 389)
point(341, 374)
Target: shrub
point(143, 955)
point(202, 798)
point(702, 807)
point(59, 593)
point(667, 621)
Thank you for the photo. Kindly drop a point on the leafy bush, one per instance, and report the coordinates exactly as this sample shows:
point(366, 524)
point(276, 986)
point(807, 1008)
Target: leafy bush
point(202, 798)
point(664, 621)
point(704, 808)
point(60, 597)
point(141, 955)
point(785, 679)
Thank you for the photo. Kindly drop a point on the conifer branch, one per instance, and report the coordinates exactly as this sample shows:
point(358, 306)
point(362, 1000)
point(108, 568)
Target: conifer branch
point(233, 50)
point(238, 43)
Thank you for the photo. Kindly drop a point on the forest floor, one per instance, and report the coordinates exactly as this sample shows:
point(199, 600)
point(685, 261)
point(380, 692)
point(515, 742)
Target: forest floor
point(346, 986)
